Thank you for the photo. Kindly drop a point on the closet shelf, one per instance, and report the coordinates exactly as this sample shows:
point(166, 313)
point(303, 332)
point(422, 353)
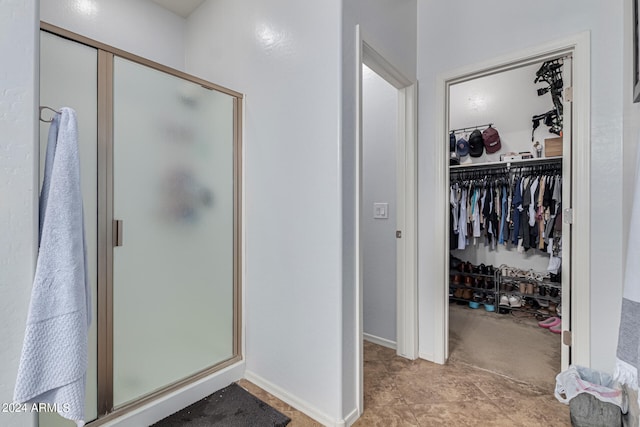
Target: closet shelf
point(507, 164)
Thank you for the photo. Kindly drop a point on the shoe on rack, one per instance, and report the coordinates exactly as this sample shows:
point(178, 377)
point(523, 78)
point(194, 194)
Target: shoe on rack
point(515, 301)
point(543, 303)
point(454, 262)
point(467, 293)
point(529, 289)
point(542, 290)
point(550, 322)
point(504, 270)
point(504, 300)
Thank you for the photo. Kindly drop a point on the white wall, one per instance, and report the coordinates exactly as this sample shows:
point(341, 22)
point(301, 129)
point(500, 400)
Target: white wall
point(19, 41)
point(444, 46)
point(380, 130)
point(285, 57)
point(389, 26)
point(508, 100)
point(140, 27)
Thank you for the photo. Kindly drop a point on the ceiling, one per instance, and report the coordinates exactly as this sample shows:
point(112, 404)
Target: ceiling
point(180, 7)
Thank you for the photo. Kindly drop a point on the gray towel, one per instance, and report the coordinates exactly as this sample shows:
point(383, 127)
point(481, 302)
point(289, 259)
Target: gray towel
point(53, 364)
point(628, 354)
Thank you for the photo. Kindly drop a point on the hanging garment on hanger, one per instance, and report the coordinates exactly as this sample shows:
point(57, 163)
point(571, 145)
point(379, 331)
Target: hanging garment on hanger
point(540, 213)
point(462, 222)
point(532, 201)
point(524, 216)
point(503, 217)
point(475, 213)
point(517, 208)
point(453, 200)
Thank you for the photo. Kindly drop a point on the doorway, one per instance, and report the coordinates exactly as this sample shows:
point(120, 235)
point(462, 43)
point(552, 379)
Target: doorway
point(379, 195)
point(406, 310)
point(506, 284)
point(576, 154)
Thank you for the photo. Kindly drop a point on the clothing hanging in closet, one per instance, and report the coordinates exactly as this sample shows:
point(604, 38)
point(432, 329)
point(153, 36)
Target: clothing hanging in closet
point(517, 208)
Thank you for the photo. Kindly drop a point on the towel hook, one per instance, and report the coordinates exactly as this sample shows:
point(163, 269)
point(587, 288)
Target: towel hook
point(47, 108)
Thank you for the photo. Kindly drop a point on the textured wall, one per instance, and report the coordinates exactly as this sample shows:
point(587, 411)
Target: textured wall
point(140, 27)
point(284, 55)
point(18, 187)
point(445, 46)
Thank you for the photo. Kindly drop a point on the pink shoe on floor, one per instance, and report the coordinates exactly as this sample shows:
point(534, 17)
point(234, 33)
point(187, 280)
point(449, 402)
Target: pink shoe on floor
point(550, 322)
point(557, 329)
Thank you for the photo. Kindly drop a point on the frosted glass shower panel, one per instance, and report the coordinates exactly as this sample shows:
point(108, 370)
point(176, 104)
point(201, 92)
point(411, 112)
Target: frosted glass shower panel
point(173, 189)
point(69, 78)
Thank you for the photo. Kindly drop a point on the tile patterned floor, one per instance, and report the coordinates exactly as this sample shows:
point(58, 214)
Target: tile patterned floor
point(400, 392)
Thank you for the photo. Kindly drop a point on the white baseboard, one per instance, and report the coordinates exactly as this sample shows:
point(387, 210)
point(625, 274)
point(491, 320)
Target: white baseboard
point(299, 404)
point(429, 357)
point(352, 417)
point(179, 399)
point(380, 341)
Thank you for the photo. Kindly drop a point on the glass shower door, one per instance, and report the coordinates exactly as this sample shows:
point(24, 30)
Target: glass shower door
point(173, 191)
point(69, 78)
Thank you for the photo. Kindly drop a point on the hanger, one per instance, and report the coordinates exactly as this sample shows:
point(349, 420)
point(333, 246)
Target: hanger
point(44, 107)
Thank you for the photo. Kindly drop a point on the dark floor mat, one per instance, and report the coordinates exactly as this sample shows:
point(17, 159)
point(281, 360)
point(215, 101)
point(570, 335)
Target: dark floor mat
point(232, 406)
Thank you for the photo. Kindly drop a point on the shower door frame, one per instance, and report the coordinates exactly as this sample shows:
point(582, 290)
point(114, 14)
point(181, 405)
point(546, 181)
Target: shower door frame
point(106, 229)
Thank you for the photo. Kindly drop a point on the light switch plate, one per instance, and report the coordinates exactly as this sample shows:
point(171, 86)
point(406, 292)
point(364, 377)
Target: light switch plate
point(381, 210)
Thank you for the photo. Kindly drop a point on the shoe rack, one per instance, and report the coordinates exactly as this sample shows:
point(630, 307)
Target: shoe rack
point(504, 289)
point(530, 291)
point(475, 285)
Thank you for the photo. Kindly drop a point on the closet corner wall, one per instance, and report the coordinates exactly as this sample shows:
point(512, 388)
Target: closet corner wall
point(161, 152)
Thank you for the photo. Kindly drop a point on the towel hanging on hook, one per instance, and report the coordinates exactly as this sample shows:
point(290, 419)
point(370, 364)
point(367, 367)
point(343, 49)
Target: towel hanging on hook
point(44, 107)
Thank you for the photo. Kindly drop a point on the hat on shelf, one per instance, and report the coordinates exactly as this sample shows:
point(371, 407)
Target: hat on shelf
point(491, 140)
point(476, 144)
point(453, 159)
point(462, 147)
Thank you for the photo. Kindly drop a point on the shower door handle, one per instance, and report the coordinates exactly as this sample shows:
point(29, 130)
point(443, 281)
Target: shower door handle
point(117, 232)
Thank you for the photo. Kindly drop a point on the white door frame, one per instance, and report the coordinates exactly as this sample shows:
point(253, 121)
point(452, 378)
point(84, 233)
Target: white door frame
point(406, 173)
point(579, 47)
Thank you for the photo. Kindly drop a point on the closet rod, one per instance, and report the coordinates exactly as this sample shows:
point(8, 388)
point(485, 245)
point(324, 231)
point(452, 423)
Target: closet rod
point(471, 128)
point(506, 165)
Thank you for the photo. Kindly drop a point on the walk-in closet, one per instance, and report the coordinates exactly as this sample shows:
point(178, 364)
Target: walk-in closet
point(509, 142)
